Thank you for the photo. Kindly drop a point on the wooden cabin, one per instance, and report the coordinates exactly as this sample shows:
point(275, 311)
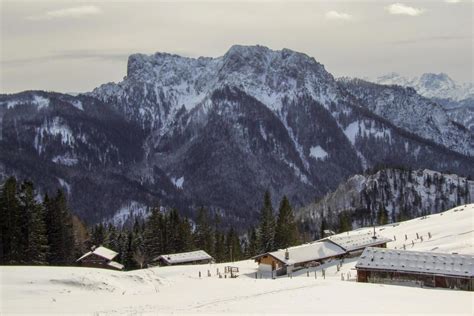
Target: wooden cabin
point(285, 261)
point(415, 268)
point(334, 247)
point(100, 257)
point(354, 244)
point(192, 257)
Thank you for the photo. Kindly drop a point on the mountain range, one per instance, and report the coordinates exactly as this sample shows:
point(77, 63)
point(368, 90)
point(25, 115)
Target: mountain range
point(456, 98)
point(218, 132)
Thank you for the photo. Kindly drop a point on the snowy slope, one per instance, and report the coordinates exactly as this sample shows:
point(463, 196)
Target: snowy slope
point(179, 290)
point(392, 189)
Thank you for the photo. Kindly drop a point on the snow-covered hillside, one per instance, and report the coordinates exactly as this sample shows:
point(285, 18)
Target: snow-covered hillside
point(401, 193)
point(179, 290)
point(457, 98)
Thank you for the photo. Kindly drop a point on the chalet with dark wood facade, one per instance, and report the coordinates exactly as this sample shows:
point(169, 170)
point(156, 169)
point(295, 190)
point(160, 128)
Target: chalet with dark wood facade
point(100, 257)
point(335, 247)
point(285, 261)
point(354, 244)
point(192, 257)
point(426, 269)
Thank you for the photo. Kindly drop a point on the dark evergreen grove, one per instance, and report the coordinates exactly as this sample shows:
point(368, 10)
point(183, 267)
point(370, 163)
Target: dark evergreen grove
point(42, 230)
point(34, 232)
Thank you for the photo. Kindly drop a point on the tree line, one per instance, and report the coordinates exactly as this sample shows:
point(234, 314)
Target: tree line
point(41, 230)
point(166, 232)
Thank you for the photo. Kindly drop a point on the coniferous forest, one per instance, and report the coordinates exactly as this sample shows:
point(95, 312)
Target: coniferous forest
point(41, 230)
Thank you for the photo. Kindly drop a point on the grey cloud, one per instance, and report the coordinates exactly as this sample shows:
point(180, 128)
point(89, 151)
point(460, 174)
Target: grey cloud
point(431, 39)
point(69, 55)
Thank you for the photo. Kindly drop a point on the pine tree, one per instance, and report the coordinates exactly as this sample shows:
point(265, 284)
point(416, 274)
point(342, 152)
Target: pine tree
point(233, 247)
point(382, 215)
point(34, 243)
point(203, 233)
point(323, 226)
point(153, 242)
point(186, 242)
point(81, 237)
point(219, 242)
point(286, 232)
point(252, 248)
point(267, 225)
point(59, 230)
point(9, 222)
point(99, 235)
point(129, 260)
point(111, 238)
point(345, 222)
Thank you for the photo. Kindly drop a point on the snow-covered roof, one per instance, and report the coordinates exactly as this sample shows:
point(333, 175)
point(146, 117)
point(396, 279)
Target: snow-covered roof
point(308, 252)
point(357, 241)
point(417, 261)
point(101, 252)
point(116, 265)
point(191, 256)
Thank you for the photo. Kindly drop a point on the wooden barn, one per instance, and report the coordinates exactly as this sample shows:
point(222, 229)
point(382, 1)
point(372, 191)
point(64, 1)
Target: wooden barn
point(193, 257)
point(354, 244)
point(426, 269)
point(100, 257)
point(285, 261)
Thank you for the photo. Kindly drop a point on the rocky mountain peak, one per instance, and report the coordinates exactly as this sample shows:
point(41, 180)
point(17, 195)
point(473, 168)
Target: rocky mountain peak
point(437, 81)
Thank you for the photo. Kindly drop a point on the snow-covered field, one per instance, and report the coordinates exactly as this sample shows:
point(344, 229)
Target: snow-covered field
point(179, 290)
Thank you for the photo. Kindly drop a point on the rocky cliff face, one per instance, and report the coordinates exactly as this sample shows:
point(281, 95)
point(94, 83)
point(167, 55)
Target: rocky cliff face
point(220, 131)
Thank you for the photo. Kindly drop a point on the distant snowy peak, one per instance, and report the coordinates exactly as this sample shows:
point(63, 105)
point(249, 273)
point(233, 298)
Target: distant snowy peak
point(431, 85)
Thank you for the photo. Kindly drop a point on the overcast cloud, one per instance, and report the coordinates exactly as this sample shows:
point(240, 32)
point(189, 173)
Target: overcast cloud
point(77, 45)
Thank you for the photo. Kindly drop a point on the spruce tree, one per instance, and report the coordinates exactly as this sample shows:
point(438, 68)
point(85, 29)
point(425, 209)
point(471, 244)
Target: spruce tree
point(128, 260)
point(233, 247)
point(382, 215)
point(286, 232)
point(34, 245)
point(59, 230)
point(204, 237)
point(345, 222)
point(9, 222)
point(185, 233)
point(267, 225)
point(219, 241)
point(252, 245)
point(153, 234)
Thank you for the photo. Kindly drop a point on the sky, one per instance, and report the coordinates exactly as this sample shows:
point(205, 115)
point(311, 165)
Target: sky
point(74, 46)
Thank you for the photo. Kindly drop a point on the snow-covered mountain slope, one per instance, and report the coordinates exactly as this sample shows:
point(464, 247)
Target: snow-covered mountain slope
point(158, 86)
point(220, 131)
point(456, 98)
point(412, 112)
point(399, 193)
point(179, 290)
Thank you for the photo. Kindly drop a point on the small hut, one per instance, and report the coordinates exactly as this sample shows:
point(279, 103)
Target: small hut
point(100, 257)
point(416, 268)
point(192, 257)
